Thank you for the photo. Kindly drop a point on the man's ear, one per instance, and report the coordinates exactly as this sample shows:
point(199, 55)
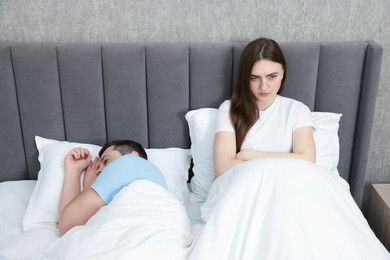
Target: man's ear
point(134, 153)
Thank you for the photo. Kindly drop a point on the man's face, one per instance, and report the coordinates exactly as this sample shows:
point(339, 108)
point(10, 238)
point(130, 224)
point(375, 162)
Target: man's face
point(108, 156)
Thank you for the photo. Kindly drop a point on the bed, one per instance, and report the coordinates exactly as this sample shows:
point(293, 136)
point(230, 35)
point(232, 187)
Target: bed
point(164, 95)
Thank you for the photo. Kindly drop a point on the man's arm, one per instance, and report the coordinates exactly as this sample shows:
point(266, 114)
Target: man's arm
point(110, 181)
point(76, 161)
point(79, 210)
point(70, 188)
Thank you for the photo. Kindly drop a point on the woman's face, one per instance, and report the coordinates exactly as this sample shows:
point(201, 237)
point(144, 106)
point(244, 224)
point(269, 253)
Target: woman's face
point(265, 81)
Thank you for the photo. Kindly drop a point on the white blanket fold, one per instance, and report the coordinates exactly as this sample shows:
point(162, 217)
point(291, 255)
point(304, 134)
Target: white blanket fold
point(283, 209)
point(143, 221)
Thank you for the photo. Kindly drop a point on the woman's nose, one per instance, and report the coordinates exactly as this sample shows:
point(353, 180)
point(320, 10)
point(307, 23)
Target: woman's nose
point(263, 84)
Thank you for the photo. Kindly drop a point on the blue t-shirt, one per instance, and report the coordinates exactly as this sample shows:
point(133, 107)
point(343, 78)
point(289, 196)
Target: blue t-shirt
point(121, 172)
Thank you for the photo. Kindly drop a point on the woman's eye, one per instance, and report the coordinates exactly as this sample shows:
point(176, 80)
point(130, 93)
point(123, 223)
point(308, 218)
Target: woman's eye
point(254, 78)
point(272, 76)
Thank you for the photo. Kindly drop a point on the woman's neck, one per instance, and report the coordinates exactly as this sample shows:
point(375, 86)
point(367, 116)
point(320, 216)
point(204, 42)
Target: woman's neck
point(262, 105)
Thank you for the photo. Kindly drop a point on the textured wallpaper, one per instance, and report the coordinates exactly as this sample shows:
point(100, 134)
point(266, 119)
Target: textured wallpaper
point(214, 21)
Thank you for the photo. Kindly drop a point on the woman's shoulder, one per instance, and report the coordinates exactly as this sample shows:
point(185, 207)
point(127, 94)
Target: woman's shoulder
point(290, 102)
point(225, 105)
point(295, 108)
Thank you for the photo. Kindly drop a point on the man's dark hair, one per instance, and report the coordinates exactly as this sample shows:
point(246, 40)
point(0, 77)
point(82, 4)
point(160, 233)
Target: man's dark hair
point(125, 147)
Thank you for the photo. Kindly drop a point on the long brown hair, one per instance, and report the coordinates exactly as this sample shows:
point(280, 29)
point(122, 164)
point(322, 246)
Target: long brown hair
point(243, 108)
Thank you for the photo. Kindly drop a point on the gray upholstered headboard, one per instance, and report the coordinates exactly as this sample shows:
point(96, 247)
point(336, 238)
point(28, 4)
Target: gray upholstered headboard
point(98, 92)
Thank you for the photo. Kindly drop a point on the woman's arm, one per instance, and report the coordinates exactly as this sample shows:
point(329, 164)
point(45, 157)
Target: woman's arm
point(303, 148)
point(224, 152)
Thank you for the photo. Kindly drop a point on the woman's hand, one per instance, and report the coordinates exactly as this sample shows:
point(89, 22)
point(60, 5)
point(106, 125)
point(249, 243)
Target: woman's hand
point(303, 148)
point(246, 155)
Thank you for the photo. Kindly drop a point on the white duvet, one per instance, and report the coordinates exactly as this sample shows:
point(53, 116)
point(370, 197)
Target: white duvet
point(283, 209)
point(262, 209)
point(143, 221)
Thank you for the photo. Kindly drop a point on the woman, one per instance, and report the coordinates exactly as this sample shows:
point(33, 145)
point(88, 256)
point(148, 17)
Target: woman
point(257, 122)
point(281, 205)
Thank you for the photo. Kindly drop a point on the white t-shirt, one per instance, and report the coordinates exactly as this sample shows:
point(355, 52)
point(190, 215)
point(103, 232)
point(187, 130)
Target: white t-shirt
point(273, 130)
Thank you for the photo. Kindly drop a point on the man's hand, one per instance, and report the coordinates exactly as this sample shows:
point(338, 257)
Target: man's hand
point(91, 173)
point(77, 160)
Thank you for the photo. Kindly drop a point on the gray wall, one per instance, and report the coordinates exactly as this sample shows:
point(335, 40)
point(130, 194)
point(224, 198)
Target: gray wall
point(214, 21)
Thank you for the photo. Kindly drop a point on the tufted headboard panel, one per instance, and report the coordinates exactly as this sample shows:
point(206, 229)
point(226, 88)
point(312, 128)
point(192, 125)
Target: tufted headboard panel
point(93, 93)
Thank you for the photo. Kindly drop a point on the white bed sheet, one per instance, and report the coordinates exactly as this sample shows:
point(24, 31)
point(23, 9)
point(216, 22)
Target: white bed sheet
point(14, 198)
point(14, 242)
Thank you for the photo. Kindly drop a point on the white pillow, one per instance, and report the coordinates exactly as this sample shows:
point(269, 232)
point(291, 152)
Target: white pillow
point(327, 140)
point(42, 210)
point(201, 124)
point(174, 164)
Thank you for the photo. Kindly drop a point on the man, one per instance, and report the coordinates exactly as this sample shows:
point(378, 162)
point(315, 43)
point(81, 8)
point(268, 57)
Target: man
point(127, 162)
